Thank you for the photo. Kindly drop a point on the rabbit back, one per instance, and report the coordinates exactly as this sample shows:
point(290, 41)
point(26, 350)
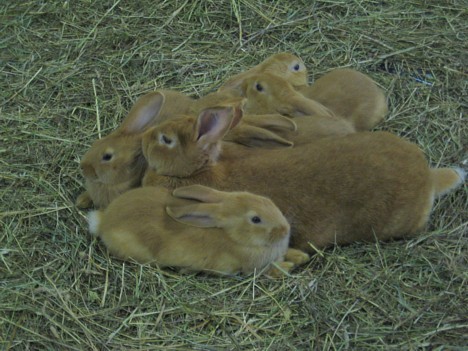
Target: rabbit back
point(351, 95)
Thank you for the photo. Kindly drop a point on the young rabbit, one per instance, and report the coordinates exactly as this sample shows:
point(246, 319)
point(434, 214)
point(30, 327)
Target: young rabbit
point(196, 228)
point(114, 164)
point(286, 65)
point(349, 94)
point(361, 186)
point(267, 93)
point(346, 92)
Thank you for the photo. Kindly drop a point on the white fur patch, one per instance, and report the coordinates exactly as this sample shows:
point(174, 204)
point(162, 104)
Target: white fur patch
point(93, 222)
point(461, 173)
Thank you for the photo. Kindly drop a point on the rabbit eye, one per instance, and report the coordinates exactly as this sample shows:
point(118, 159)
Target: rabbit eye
point(296, 67)
point(259, 87)
point(165, 140)
point(107, 157)
point(256, 219)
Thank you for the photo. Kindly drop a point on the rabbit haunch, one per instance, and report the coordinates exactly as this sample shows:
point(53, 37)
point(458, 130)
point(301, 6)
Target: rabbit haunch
point(339, 190)
point(196, 228)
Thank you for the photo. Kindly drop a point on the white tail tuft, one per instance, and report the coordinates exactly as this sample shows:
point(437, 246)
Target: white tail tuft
point(93, 222)
point(461, 173)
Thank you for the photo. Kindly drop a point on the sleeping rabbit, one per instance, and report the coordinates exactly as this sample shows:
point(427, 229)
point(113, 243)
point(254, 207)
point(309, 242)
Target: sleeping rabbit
point(196, 228)
point(360, 186)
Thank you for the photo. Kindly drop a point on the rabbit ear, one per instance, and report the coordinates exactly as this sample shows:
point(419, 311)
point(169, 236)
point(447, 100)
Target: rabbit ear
point(256, 137)
point(212, 124)
point(197, 215)
point(145, 111)
point(303, 106)
point(271, 122)
point(234, 83)
point(200, 193)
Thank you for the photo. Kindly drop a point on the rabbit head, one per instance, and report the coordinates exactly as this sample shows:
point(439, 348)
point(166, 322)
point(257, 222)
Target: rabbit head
point(287, 66)
point(114, 159)
point(267, 93)
point(249, 220)
point(115, 163)
point(284, 65)
point(183, 145)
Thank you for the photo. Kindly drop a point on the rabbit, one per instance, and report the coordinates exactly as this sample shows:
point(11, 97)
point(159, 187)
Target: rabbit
point(346, 92)
point(357, 187)
point(267, 93)
point(196, 228)
point(286, 65)
point(115, 163)
point(349, 94)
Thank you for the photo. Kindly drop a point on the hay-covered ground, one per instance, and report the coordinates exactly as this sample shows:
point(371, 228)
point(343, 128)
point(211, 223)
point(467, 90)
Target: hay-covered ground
point(71, 69)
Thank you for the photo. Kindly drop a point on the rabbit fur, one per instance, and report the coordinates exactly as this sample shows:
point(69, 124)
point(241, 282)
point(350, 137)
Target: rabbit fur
point(361, 186)
point(346, 92)
point(351, 95)
point(196, 228)
point(284, 64)
point(114, 164)
point(267, 93)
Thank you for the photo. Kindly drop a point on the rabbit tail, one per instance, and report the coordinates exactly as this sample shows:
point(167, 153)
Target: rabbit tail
point(94, 219)
point(446, 179)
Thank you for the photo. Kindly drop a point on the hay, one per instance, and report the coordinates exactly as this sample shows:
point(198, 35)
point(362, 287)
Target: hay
point(71, 70)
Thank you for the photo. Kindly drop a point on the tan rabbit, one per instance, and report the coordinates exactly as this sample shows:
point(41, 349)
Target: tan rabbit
point(361, 186)
point(114, 164)
point(349, 94)
point(346, 92)
point(196, 228)
point(286, 65)
point(267, 93)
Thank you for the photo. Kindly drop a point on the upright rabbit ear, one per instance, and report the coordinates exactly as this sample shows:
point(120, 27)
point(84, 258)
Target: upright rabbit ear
point(200, 193)
point(256, 137)
point(145, 112)
point(197, 215)
point(212, 124)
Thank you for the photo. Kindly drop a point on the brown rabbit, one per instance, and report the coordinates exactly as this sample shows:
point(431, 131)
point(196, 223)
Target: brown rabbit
point(286, 65)
point(346, 92)
point(349, 94)
point(267, 93)
point(114, 164)
point(196, 228)
point(361, 186)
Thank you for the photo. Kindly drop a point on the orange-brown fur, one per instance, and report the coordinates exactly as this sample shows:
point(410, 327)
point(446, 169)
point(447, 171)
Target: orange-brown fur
point(273, 131)
point(349, 94)
point(360, 186)
point(150, 225)
point(267, 93)
point(283, 64)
